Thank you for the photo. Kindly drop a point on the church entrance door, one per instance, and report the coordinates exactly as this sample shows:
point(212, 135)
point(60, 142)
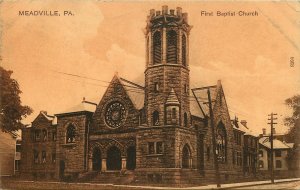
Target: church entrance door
point(131, 157)
point(114, 160)
point(97, 159)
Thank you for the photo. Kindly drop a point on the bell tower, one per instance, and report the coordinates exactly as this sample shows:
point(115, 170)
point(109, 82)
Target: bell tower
point(167, 78)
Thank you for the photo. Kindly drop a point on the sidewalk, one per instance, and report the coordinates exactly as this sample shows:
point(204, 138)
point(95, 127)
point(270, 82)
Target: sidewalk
point(223, 186)
point(92, 186)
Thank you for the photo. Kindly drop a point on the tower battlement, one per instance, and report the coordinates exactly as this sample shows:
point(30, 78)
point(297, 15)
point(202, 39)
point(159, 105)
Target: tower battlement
point(166, 15)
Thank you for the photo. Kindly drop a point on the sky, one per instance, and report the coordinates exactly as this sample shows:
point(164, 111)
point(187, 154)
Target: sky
point(250, 55)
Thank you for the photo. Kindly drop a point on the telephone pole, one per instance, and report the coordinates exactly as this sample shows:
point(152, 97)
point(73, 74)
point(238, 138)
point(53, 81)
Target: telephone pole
point(213, 139)
point(272, 119)
point(211, 115)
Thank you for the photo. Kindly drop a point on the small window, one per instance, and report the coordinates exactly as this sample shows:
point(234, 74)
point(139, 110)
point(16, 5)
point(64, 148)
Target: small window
point(261, 153)
point(155, 147)
point(54, 136)
point(17, 165)
point(44, 135)
point(277, 153)
point(53, 157)
point(159, 147)
point(208, 153)
point(36, 156)
point(278, 163)
point(151, 148)
point(185, 88)
point(44, 157)
point(70, 134)
point(233, 157)
point(18, 148)
point(185, 120)
point(155, 118)
point(156, 87)
point(173, 113)
point(260, 164)
point(37, 135)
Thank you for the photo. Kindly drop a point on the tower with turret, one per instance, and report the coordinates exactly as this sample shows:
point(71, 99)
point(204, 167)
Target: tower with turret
point(167, 80)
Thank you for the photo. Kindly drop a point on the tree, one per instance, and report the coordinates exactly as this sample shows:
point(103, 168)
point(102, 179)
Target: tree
point(293, 120)
point(12, 111)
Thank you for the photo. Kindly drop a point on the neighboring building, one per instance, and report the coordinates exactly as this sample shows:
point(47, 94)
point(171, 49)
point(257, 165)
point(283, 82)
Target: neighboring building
point(39, 147)
point(8, 154)
point(18, 156)
point(280, 152)
point(160, 132)
point(246, 154)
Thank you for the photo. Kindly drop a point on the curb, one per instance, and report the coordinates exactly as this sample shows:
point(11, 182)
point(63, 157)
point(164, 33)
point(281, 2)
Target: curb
point(262, 183)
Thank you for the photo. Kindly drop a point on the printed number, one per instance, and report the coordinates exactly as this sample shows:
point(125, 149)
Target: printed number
point(292, 62)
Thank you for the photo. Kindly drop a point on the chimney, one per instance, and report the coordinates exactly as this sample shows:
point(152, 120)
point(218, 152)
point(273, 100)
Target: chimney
point(264, 131)
point(244, 122)
point(44, 112)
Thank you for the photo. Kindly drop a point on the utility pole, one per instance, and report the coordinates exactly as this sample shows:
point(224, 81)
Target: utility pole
point(213, 139)
point(272, 119)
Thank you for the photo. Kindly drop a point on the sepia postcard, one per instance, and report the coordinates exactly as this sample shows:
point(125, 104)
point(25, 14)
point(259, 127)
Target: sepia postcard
point(149, 94)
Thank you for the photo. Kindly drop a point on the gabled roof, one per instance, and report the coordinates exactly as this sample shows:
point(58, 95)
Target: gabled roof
point(84, 106)
point(277, 144)
point(135, 92)
point(202, 97)
point(45, 115)
point(242, 128)
point(195, 109)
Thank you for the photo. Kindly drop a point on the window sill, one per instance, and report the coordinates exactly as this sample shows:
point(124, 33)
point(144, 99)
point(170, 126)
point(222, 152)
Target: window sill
point(69, 144)
point(154, 155)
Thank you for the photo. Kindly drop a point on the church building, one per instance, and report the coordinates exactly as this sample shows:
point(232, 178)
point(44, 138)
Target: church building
point(156, 133)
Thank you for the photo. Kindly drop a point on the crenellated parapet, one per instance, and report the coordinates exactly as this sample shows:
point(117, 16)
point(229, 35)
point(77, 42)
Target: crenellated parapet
point(167, 18)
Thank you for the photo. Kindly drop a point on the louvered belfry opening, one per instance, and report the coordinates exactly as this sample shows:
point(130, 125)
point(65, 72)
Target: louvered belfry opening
point(172, 47)
point(183, 50)
point(157, 48)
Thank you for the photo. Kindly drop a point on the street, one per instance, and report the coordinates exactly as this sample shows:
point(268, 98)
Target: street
point(285, 185)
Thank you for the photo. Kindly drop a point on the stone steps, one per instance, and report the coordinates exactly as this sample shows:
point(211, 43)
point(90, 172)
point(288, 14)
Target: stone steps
point(113, 177)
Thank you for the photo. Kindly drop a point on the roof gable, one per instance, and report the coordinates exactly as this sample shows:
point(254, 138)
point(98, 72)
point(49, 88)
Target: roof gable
point(43, 117)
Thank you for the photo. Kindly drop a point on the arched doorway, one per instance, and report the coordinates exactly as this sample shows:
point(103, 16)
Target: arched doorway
point(114, 160)
point(131, 156)
point(186, 156)
point(97, 159)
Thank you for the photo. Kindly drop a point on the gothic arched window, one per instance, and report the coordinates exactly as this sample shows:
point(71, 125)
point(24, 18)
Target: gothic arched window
point(157, 48)
point(186, 157)
point(221, 142)
point(171, 47)
point(70, 135)
point(183, 51)
point(155, 118)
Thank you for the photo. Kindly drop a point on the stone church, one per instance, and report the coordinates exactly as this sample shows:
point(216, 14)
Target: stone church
point(156, 133)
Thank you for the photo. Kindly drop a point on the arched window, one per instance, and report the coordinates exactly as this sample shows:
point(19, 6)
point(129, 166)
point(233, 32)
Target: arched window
point(186, 157)
point(185, 120)
point(183, 51)
point(172, 47)
point(157, 48)
point(70, 136)
point(221, 142)
point(155, 118)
